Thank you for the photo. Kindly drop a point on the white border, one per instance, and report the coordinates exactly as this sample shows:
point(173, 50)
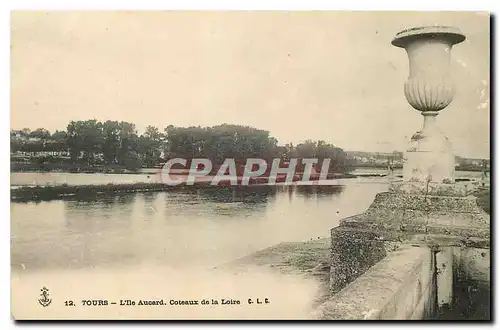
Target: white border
point(358, 5)
point(7, 6)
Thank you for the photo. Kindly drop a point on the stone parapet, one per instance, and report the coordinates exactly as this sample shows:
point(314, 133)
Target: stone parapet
point(361, 241)
point(398, 287)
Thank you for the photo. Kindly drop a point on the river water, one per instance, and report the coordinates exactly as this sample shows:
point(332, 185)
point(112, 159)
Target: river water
point(164, 244)
point(198, 227)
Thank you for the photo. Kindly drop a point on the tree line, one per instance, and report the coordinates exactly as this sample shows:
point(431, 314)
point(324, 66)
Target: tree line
point(92, 142)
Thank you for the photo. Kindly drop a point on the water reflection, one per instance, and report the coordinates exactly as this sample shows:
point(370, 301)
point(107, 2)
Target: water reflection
point(149, 196)
point(177, 228)
point(310, 192)
point(82, 211)
point(230, 194)
point(319, 191)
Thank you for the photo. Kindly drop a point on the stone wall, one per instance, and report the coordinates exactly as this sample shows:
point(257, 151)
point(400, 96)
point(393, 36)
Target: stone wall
point(416, 283)
point(402, 216)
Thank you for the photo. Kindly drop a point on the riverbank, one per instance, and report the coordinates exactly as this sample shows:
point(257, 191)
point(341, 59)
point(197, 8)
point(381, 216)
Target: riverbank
point(310, 259)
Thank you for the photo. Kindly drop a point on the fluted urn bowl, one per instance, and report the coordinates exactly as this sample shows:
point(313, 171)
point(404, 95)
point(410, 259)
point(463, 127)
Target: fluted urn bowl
point(429, 87)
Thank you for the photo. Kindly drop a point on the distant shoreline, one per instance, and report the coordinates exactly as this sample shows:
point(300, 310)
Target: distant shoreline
point(66, 168)
point(47, 193)
point(75, 168)
point(61, 192)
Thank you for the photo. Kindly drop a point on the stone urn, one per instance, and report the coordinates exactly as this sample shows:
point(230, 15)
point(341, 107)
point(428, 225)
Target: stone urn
point(429, 89)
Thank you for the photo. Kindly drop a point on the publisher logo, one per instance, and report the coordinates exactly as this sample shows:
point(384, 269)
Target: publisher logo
point(44, 299)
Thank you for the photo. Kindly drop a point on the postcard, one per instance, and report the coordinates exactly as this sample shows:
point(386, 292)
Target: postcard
point(250, 165)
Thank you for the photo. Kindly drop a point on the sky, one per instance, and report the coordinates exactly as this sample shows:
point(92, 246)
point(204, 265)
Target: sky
point(330, 76)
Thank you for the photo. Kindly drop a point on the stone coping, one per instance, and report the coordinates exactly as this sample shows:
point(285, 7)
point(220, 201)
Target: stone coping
point(452, 34)
point(366, 297)
point(457, 221)
point(458, 189)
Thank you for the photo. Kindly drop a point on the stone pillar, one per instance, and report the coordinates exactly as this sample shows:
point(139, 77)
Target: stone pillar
point(429, 90)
